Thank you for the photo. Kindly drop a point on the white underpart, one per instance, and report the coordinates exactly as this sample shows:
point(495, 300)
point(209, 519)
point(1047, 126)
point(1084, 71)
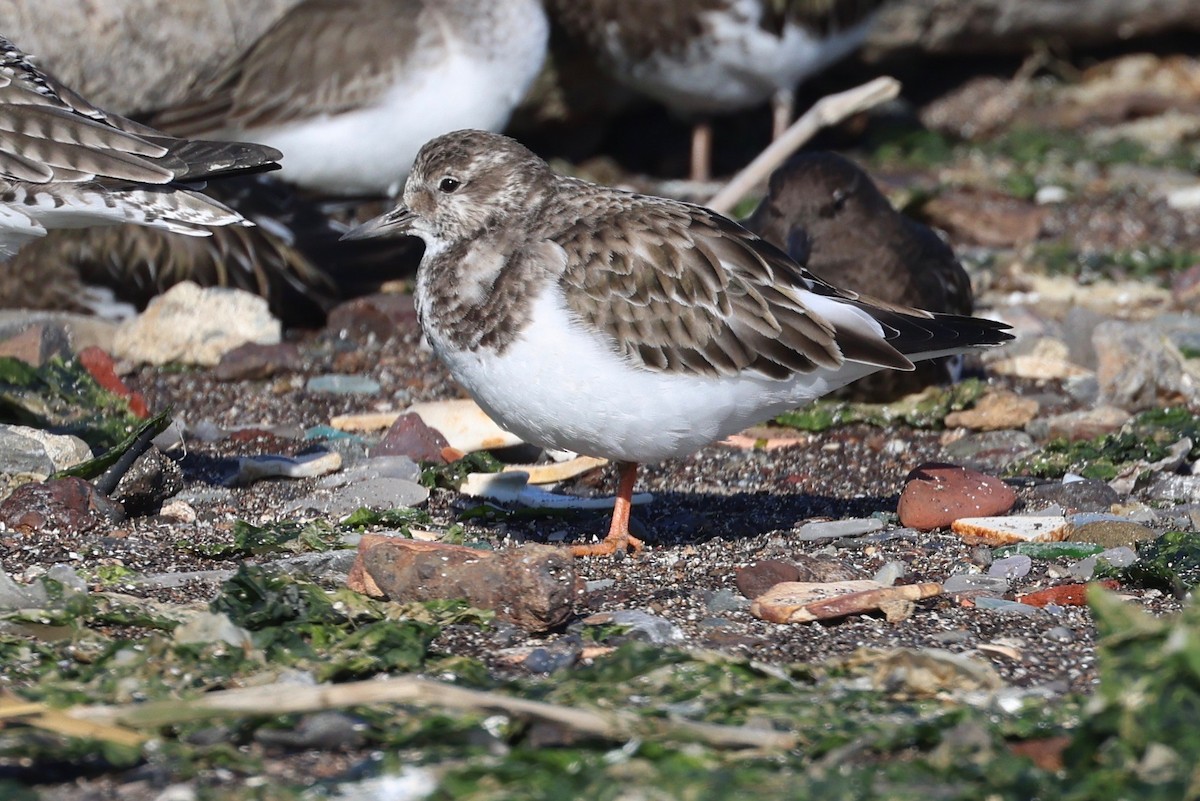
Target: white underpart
point(371, 150)
point(743, 65)
point(560, 386)
point(35, 209)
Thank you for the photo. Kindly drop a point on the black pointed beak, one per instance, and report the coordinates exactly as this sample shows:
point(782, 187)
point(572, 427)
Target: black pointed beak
point(396, 222)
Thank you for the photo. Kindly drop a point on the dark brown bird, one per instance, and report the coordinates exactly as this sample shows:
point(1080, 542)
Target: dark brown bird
point(831, 217)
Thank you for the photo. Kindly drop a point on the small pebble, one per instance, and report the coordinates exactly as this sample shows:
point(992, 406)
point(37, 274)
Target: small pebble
point(838, 528)
point(1011, 567)
point(965, 583)
point(342, 384)
point(1008, 607)
point(1061, 634)
point(725, 600)
point(890, 573)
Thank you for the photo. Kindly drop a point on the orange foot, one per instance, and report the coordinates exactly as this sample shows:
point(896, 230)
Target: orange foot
point(609, 545)
point(619, 538)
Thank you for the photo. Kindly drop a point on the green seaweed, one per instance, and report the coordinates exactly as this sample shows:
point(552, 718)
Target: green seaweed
point(62, 396)
point(925, 410)
point(1146, 438)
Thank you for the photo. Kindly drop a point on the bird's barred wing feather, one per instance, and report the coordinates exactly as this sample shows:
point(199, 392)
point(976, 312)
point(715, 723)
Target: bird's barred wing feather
point(695, 293)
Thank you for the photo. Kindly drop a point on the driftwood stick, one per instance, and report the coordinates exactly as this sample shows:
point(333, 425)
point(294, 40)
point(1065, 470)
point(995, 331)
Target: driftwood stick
point(827, 111)
point(281, 699)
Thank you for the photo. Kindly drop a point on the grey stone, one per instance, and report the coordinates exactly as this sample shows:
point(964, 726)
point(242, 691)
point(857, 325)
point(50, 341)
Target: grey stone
point(374, 493)
point(1118, 557)
point(1007, 607)
point(834, 529)
point(890, 573)
point(339, 384)
point(1173, 487)
point(210, 627)
point(1084, 495)
point(1011, 567)
point(974, 583)
point(331, 566)
point(376, 467)
point(989, 450)
point(725, 600)
point(549, 660)
point(71, 581)
point(1061, 634)
point(1138, 364)
point(647, 627)
point(21, 596)
point(323, 731)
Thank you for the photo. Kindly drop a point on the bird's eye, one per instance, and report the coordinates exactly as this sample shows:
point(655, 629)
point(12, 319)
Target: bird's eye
point(448, 184)
point(839, 200)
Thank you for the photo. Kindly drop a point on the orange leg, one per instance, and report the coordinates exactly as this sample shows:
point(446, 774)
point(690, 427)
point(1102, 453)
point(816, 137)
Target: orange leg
point(619, 538)
point(702, 151)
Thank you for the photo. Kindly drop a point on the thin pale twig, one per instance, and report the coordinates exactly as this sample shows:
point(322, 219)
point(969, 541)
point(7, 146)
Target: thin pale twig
point(827, 111)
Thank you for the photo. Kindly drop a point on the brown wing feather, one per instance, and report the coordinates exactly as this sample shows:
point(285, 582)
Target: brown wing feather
point(322, 57)
point(696, 293)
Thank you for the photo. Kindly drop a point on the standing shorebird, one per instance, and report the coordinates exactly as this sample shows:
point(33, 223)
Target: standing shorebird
point(831, 217)
point(635, 328)
point(351, 89)
point(65, 163)
point(705, 57)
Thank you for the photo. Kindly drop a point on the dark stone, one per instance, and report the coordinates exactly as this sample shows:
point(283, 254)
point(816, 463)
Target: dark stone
point(382, 316)
point(409, 436)
point(1088, 495)
point(152, 479)
point(758, 577)
point(66, 504)
point(254, 361)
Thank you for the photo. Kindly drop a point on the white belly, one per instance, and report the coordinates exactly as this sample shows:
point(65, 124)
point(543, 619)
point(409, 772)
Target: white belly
point(371, 150)
point(741, 65)
point(560, 387)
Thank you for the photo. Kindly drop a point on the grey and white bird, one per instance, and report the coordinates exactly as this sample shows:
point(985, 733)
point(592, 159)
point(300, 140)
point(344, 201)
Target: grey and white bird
point(626, 326)
point(705, 57)
point(64, 163)
point(351, 89)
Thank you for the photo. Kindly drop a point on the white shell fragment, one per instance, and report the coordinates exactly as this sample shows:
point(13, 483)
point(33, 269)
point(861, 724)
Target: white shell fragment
point(513, 487)
point(997, 531)
point(255, 468)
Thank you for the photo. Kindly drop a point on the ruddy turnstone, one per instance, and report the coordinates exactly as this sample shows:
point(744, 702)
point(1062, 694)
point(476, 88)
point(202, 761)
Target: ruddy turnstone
point(831, 217)
point(350, 90)
point(703, 57)
point(65, 163)
point(635, 328)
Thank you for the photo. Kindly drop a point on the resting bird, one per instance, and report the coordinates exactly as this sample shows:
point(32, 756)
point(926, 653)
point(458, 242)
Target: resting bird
point(831, 217)
point(350, 89)
point(65, 163)
point(625, 326)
